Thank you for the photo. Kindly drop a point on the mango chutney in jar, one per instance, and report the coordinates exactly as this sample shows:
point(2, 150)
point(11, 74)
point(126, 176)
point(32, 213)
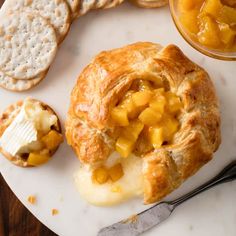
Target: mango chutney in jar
point(211, 23)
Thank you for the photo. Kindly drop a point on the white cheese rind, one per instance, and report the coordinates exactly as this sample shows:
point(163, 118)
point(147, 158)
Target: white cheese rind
point(22, 133)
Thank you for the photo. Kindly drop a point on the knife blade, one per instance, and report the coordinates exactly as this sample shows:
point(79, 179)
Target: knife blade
point(137, 224)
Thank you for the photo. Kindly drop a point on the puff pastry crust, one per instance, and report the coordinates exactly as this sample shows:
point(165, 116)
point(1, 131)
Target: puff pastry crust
point(109, 76)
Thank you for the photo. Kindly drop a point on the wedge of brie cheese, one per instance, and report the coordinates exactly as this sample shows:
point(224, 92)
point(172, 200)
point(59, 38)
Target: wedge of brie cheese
point(22, 134)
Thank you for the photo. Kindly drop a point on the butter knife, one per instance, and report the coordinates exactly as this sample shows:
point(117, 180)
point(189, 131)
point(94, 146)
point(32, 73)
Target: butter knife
point(137, 224)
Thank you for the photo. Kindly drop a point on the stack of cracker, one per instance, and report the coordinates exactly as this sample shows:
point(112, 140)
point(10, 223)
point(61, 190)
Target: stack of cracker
point(86, 5)
point(30, 32)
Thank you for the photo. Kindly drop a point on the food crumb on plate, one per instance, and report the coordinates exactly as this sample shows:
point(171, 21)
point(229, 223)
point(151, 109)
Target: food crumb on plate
point(131, 219)
point(31, 199)
point(55, 212)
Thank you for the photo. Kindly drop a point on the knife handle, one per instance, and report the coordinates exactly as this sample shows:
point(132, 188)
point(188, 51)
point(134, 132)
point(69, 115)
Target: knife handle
point(226, 175)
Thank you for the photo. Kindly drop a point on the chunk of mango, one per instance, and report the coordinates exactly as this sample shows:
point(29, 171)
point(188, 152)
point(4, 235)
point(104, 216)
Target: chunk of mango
point(36, 159)
point(174, 103)
point(156, 136)
point(170, 126)
point(212, 7)
point(133, 130)
point(187, 5)
point(120, 116)
point(159, 92)
point(209, 32)
point(116, 172)
point(128, 104)
point(150, 117)
point(227, 35)
point(227, 15)
point(124, 146)
point(100, 175)
point(189, 20)
point(129, 135)
point(142, 98)
point(158, 104)
point(52, 140)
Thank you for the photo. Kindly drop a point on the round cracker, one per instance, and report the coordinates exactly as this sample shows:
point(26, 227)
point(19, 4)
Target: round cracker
point(17, 85)
point(73, 4)
point(56, 12)
point(100, 4)
point(85, 6)
point(149, 3)
point(7, 118)
point(112, 3)
point(28, 45)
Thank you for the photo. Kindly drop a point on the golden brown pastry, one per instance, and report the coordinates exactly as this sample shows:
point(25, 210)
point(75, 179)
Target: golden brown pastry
point(192, 114)
point(150, 3)
point(30, 133)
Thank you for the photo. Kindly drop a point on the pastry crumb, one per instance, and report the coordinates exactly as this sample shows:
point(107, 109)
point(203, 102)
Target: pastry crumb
point(55, 212)
point(31, 199)
point(131, 219)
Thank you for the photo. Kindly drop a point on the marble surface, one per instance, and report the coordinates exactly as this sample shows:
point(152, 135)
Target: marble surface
point(211, 213)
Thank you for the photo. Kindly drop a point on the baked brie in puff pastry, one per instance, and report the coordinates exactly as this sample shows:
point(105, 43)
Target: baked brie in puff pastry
point(150, 107)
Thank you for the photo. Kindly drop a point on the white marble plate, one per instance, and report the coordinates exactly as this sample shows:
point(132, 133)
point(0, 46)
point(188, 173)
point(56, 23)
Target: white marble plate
point(211, 213)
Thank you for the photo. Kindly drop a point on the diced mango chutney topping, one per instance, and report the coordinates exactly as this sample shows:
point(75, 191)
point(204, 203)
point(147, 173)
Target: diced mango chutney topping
point(149, 113)
point(103, 174)
point(210, 22)
point(52, 140)
point(36, 159)
point(49, 143)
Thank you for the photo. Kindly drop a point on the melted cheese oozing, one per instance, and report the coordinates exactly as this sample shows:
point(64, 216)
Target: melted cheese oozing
point(42, 119)
point(129, 186)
